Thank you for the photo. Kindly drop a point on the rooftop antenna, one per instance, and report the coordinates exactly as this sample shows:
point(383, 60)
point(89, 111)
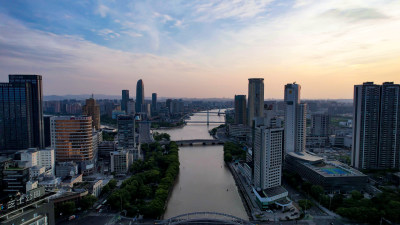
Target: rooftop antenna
point(92, 95)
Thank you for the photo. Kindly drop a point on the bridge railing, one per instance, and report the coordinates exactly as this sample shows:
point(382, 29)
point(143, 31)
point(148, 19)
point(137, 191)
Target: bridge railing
point(205, 215)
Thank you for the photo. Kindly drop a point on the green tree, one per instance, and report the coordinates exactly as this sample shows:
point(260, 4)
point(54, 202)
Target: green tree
point(67, 208)
point(356, 195)
point(305, 204)
point(88, 201)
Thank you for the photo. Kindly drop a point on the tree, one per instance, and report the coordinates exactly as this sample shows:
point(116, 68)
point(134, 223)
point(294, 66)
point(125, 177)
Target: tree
point(317, 191)
point(88, 201)
point(305, 204)
point(356, 195)
point(67, 208)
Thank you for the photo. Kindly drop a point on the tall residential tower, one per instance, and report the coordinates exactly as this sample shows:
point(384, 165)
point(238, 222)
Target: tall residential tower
point(376, 126)
point(256, 99)
point(295, 119)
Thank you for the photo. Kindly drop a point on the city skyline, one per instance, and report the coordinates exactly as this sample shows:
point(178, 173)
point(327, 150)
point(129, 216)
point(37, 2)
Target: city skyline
point(104, 47)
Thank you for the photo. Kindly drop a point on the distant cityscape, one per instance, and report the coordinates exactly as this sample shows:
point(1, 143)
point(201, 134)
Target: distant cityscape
point(291, 159)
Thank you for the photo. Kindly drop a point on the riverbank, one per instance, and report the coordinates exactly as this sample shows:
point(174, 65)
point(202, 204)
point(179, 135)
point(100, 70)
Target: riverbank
point(146, 192)
point(243, 196)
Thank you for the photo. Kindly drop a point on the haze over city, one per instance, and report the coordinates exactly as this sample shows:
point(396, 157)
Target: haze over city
point(192, 49)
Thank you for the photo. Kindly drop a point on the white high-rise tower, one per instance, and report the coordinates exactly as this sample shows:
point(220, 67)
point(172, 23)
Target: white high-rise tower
point(295, 119)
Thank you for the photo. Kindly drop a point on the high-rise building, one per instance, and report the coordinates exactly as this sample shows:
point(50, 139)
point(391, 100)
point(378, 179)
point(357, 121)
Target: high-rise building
point(71, 138)
point(21, 115)
point(139, 96)
point(268, 149)
point(295, 119)
point(389, 127)
point(125, 99)
point(376, 125)
point(46, 125)
point(36, 98)
point(240, 109)
point(153, 103)
point(130, 107)
point(256, 99)
point(92, 109)
point(126, 131)
point(320, 125)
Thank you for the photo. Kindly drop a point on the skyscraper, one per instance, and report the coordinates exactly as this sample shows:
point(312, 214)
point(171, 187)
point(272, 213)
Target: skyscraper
point(125, 99)
point(389, 127)
point(139, 96)
point(320, 125)
point(71, 138)
point(256, 99)
point(36, 98)
point(126, 131)
point(268, 149)
point(21, 112)
point(240, 109)
point(295, 119)
point(153, 103)
point(376, 125)
point(92, 109)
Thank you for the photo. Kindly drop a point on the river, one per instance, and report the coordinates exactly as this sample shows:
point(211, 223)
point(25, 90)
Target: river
point(204, 182)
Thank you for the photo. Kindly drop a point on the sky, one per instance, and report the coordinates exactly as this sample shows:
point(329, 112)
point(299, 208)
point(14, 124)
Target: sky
point(201, 49)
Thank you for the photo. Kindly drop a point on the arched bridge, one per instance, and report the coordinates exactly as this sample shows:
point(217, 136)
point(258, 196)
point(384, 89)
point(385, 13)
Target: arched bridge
point(204, 218)
point(196, 142)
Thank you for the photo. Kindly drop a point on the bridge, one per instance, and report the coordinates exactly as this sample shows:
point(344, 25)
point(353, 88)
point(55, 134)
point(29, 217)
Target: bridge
point(196, 142)
point(207, 122)
point(208, 118)
point(204, 218)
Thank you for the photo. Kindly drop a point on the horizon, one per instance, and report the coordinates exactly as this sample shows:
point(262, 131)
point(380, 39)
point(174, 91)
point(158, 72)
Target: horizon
point(202, 49)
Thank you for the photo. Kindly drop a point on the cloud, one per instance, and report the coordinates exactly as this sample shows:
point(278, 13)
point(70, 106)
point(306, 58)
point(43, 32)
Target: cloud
point(108, 33)
point(224, 9)
point(103, 10)
point(83, 67)
point(355, 14)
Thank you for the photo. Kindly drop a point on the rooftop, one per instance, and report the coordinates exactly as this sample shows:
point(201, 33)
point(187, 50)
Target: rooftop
point(304, 156)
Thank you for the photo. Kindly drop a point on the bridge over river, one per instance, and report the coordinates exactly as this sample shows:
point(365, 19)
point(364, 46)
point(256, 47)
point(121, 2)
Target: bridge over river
point(196, 142)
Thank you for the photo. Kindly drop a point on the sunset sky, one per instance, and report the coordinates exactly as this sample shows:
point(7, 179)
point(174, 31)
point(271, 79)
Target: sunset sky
point(201, 48)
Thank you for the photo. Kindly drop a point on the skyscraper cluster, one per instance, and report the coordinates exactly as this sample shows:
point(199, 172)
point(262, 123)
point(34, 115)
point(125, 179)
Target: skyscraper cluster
point(376, 126)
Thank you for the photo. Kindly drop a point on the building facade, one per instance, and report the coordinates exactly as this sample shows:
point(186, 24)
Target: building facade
point(119, 162)
point(240, 109)
point(21, 113)
point(36, 99)
point(255, 99)
point(139, 96)
point(71, 138)
point(153, 103)
point(92, 109)
point(268, 149)
point(126, 131)
point(295, 119)
point(376, 125)
point(124, 101)
point(320, 125)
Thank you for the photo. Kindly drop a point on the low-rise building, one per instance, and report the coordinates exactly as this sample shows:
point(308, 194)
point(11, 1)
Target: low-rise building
point(32, 208)
point(71, 180)
point(36, 171)
point(64, 169)
point(333, 176)
point(120, 162)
